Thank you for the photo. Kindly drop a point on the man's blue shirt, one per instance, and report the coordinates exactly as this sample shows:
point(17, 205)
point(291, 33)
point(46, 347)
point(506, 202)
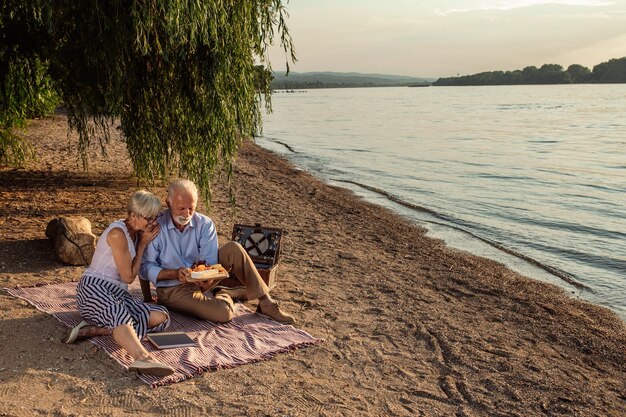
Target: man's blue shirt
point(173, 249)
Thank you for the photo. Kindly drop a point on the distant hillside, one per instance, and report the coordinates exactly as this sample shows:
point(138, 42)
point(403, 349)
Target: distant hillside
point(302, 80)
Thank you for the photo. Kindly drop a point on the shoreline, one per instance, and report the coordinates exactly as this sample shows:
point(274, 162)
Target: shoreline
point(557, 273)
point(411, 326)
point(460, 236)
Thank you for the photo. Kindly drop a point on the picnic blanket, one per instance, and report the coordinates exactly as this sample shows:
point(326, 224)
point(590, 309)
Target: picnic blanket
point(247, 338)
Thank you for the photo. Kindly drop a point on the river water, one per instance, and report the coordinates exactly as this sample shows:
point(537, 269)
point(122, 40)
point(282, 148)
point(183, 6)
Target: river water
point(532, 176)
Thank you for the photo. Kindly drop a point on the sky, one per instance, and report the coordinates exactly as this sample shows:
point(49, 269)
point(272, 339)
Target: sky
point(442, 38)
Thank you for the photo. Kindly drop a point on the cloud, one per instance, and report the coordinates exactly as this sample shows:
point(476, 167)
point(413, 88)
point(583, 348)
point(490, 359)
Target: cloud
point(415, 38)
point(473, 5)
point(595, 52)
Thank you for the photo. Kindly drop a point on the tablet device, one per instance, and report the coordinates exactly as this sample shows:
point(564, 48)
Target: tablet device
point(170, 340)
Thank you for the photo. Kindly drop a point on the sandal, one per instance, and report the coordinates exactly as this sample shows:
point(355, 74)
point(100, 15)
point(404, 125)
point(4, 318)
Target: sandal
point(74, 333)
point(151, 368)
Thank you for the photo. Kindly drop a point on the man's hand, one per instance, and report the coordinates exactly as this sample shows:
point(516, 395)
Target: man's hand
point(183, 274)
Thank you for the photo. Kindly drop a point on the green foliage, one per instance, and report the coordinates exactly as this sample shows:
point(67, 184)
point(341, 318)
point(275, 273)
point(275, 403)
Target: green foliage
point(262, 78)
point(26, 89)
point(613, 71)
point(13, 150)
point(578, 73)
point(180, 76)
point(552, 74)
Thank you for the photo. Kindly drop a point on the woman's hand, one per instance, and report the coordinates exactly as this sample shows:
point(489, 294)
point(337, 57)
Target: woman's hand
point(148, 235)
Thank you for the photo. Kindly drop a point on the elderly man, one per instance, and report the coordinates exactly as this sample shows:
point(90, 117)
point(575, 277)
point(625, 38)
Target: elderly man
point(187, 237)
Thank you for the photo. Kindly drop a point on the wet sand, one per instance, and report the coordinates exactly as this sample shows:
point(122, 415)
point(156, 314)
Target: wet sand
point(411, 327)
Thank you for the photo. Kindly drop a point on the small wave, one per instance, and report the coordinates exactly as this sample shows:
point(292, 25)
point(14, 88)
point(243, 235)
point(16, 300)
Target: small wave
point(353, 150)
point(503, 177)
point(529, 106)
point(568, 226)
point(394, 198)
point(473, 164)
point(555, 171)
point(604, 261)
point(565, 276)
point(601, 187)
point(280, 143)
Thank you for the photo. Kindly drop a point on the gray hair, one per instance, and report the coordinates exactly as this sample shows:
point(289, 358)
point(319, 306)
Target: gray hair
point(145, 204)
point(180, 186)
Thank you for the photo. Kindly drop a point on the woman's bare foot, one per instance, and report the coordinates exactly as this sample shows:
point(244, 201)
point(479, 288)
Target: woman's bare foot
point(146, 358)
point(92, 331)
point(85, 331)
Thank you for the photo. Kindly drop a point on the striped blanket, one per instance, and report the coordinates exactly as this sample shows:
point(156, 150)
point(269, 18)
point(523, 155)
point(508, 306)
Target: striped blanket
point(247, 338)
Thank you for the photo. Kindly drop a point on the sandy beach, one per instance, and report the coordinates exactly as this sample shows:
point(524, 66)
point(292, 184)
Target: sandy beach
point(411, 327)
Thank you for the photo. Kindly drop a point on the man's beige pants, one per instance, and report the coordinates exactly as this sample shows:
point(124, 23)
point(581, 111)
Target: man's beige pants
point(189, 298)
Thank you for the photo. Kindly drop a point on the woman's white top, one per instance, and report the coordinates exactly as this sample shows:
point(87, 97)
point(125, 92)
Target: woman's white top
point(102, 264)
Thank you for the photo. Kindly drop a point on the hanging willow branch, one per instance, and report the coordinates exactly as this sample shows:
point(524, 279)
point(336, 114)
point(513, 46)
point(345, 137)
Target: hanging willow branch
point(26, 89)
point(180, 76)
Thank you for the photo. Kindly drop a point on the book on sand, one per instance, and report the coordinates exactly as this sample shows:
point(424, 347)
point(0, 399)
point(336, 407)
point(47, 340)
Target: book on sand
point(170, 340)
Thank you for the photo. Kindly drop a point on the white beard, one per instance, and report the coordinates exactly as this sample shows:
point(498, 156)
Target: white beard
point(182, 221)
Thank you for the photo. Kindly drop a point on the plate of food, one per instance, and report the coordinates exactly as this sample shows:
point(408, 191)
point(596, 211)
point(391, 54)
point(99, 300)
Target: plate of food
point(208, 272)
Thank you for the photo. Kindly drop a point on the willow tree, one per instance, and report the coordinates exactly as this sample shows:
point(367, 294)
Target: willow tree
point(26, 88)
point(180, 76)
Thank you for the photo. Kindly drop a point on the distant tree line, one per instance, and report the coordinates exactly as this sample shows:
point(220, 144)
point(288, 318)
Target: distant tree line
point(612, 71)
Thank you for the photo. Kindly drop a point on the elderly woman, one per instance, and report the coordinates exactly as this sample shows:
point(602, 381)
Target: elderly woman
point(103, 299)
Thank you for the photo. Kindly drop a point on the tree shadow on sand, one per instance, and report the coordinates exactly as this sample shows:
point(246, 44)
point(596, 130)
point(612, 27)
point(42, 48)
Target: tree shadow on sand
point(27, 256)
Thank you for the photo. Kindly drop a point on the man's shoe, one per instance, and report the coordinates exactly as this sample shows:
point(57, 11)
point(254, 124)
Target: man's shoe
point(274, 312)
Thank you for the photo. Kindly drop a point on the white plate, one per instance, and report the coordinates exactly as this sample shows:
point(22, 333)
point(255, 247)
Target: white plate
point(209, 274)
